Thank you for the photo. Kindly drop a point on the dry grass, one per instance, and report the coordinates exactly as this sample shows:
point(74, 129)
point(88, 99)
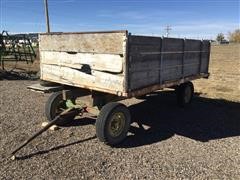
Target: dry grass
point(224, 81)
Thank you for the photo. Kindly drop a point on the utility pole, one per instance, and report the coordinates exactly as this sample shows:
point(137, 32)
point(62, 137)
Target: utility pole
point(168, 29)
point(47, 16)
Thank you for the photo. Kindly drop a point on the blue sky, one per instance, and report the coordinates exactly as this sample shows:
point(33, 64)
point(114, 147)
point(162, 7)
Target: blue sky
point(187, 18)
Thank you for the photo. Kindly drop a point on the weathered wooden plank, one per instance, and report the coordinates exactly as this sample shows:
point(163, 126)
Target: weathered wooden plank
point(192, 51)
point(145, 65)
point(171, 60)
point(191, 69)
point(44, 89)
point(145, 59)
point(205, 56)
point(171, 73)
point(144, 74)
point(108, 43)
point(143, 79)
point(167, 84)
point(74, 77)
point(191, 64)
point(172, 45)
point(192, 57)
point(170, 49)
point(171, 66)
point(136, 49)
point(192, 45)
point(138, 58)
point(101, 62)
point(144, 40)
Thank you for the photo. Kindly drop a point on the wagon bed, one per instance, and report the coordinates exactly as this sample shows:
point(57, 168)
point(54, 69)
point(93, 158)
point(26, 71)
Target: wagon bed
point(119, 63)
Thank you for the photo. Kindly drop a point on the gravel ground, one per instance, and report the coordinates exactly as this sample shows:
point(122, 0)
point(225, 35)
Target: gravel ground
point(199, 142)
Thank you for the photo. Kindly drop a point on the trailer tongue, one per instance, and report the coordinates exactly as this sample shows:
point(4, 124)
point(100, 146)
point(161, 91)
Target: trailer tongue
point(62, 117)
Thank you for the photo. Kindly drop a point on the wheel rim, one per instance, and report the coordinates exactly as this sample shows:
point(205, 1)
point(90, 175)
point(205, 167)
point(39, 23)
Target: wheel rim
point(116, 124)
point(187, 94)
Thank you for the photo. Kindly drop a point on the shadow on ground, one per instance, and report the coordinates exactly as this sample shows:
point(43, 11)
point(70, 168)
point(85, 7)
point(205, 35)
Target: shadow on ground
point(159, 118)
point(77, 122)
point(54, 148)
point(205, 119)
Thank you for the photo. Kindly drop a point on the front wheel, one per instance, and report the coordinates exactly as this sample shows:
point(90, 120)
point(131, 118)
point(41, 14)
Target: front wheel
point(185, 94)
point(113, 123)
point(54, 106)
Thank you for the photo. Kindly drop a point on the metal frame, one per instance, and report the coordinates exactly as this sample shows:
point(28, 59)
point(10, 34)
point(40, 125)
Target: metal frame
point(13, 52)
point(93, 100)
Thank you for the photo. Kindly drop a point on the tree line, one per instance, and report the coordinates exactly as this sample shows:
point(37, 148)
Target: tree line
point(232, 36)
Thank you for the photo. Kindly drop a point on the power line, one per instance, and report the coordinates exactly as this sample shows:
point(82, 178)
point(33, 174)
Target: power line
point(168, 29)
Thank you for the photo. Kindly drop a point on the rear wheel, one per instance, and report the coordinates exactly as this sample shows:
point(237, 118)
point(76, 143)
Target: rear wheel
point(185, 94)
point(54, 106)
point(113, 123)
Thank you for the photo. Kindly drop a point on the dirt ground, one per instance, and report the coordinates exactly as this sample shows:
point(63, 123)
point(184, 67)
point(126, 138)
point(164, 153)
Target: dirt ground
point(198, 142)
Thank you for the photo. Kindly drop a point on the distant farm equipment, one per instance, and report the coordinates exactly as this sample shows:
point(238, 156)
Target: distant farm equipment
point(15, 48)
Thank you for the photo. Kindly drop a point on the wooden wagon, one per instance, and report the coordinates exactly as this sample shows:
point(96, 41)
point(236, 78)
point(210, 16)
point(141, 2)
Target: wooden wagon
point(97, 69)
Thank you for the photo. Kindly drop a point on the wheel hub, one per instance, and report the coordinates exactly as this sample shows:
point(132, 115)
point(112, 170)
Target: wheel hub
point(116, 124)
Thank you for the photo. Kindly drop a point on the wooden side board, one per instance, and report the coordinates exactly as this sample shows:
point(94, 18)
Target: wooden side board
point(205, 56)
point(155, 60)
point(144, 54)
point(101, 62)
point(95, 80)
point(107, 43)
point(171, 59)
point(192, 57)
point(93, 60)
point(120, 64)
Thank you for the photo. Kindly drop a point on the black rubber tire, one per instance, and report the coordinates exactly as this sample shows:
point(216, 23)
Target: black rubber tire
point(50, 108)
point(47, 83)
point(103, 120)
point(181, 93)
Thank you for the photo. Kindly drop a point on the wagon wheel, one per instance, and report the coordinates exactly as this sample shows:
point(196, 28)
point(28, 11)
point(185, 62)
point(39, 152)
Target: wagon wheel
point(185, 94)
point(113, 123)
point(54, 106)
